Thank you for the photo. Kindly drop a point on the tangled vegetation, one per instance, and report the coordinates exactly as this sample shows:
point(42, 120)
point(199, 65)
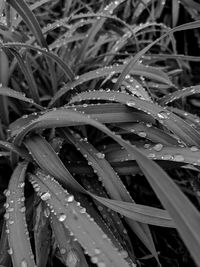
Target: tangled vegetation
point(99, 133)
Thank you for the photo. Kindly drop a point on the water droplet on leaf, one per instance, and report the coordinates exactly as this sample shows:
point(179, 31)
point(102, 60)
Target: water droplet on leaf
point(100, 155)
point(179, 158)
point(45, 196)
point(62, 217)
point(158, 147)
point(70, 198)
point(163, 115)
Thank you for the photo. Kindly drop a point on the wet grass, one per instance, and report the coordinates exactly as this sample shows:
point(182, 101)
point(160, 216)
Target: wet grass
point(99, 133)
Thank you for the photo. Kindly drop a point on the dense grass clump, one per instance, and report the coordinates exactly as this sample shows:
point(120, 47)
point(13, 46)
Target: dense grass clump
point(99, 133)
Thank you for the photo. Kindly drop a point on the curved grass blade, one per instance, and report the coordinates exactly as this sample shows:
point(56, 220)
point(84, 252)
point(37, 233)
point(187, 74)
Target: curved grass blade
point(97, 161)
point(4, 68)
point(149, 132)
point(23, 9)
point(141, 213)
point(95, 28)
point(134, 60)
point(37, 4)
point(108, 71)
point(175, 12)
point(11, 147)
point(28, 75)
point(117, 113)
point(5, 259)
point(175, 124)
point(122, 168)
point(179, 94)
point(175, 202)
point(42, 234)
point(110, 179)
point(70, 250)
point(79, 223)
point(111, 218)
point(89, 205)
point(20, 248)
point(151, 73)
point(192, 119)
point(4, 77)
point(68, 72)
point(42, 151)
point(45, 151)
point(158, 152)
point(18, 95)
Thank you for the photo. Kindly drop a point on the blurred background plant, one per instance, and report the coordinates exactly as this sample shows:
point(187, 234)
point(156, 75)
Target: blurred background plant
point(99, 115)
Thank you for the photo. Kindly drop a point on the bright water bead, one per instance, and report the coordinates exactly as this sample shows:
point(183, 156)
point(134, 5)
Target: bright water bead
point(158, 147)
point(163, 115)
point(24, 263)
point(45, 196)
point(100, 155)
point(62, 217)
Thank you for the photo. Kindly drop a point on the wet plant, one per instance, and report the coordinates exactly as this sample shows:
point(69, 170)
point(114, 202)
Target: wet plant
point(103, 158)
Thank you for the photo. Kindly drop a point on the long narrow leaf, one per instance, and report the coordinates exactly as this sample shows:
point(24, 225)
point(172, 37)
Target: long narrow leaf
point(134, 60)
point(20, 247)
point(76, 219)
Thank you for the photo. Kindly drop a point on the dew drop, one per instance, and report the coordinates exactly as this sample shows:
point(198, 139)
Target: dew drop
point(45, 196)
point(167, 157)
point(97, 251)
point(130, 103)
point(6, 205)
point(100, 155)
point(21, 185)
point(142, 134)
point(83, 210)
point(7, 193)
point(6, 215)
point(151, 155)
point(70, 198)
point(194, 149)
point(147, 146)
point(62, 217)
point(46, 213)
point(24, 264)
point(101, 264)
point(163, 115)
point(23, 209)
point(178, 158)
point(63, 251)
point(10, 251)
point(94, 260)
point(158, 147)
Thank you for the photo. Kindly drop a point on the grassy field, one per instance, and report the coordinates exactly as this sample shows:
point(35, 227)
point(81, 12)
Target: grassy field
point(99, 133)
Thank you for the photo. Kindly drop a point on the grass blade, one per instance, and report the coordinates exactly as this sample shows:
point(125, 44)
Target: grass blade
point(76, 219)
point(42, 235)
point(22, 8)
point(179, 94)
point(70, 250)
point(149, 132)
point(175, 202)
point(20, 248)
point(175, 124)
point(42, 151)
point(134, 60)
point(18, 95)
point(68, 72)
